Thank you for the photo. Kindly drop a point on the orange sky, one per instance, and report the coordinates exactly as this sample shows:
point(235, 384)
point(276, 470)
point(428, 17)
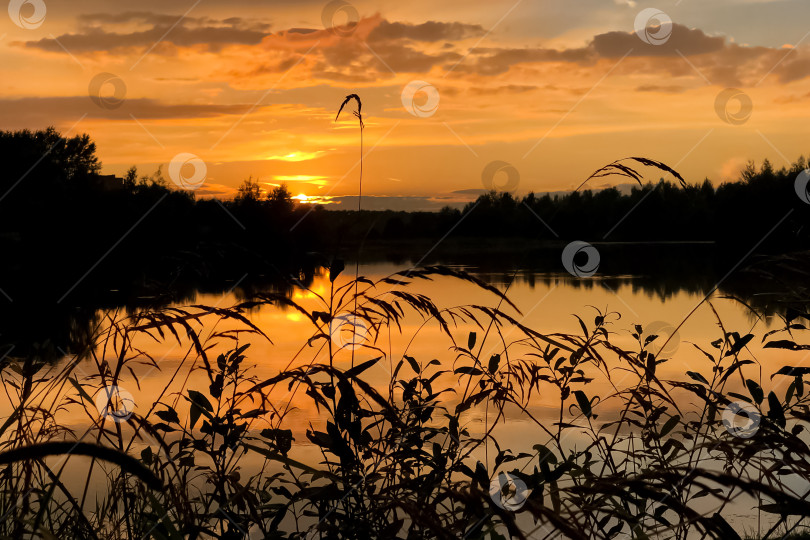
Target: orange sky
point(555, 88)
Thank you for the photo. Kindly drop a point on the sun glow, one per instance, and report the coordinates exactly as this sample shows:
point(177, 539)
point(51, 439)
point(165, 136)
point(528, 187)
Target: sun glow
point(296, 156)
point(302, 198)
point(306, 178)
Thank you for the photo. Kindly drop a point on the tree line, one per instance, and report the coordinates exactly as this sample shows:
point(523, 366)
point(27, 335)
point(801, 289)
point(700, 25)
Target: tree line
point(58, 222)
point(763, 204)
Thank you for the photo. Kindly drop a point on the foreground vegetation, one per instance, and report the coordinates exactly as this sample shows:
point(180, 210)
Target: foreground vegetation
point(417, 456)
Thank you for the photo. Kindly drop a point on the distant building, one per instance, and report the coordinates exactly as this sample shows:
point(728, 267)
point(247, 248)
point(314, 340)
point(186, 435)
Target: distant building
point(110, 182)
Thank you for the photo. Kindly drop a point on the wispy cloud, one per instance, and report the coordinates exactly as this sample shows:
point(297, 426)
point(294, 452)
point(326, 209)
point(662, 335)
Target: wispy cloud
point(297, 156)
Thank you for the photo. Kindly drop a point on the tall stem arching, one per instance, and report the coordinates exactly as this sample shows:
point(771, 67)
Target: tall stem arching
point(359, 114)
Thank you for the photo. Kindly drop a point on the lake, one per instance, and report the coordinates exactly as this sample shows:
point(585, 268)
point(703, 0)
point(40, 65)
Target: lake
point(546, 301)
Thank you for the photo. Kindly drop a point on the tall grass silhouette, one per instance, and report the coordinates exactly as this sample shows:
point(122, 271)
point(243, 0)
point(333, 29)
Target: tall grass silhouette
point(403, 458)
point(359, 115)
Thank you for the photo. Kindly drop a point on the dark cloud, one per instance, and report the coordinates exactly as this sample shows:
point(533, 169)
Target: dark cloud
point(721, 62)
point(46, 111)
point(96, 35)
point(210, 189)
point(404, 58)
point(666, 89)
point(498, 61)
point(610, 45)
point(504, 89)
point(683, 40)
point(430, 31)
point(793, 68)
point(353, 61)
point(166, 20)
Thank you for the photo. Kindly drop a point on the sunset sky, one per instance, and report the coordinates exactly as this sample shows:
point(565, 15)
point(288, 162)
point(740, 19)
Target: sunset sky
point(556, 88)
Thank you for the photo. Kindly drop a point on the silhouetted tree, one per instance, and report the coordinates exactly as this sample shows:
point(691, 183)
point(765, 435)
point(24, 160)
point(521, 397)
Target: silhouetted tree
point(131, 178)
point(280, 199)
point(249, 191)
point(155, 179)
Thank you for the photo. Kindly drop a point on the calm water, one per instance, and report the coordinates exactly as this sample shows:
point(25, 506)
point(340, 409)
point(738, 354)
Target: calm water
point(547, 304)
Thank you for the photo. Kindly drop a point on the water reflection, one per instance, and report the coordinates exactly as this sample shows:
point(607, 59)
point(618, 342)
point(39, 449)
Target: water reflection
point(663, 274)
point(39, 328)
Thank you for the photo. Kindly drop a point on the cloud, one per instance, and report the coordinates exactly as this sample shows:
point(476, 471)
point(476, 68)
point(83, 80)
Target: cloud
point(794, 69)
point(717, 59)
point(380, 49)
point(611, 45)
point(44, 111)
point(666, 89)
point(147, 17)
point(95, 34)
point(386, 57)
point(683, 40)
point(493, 62)
point(377, 49)
point(430, 31)
point(731, 170)
point(505, 89)
point(396, 203)
point(297, 156)
point(211, 189)
point(474, 192)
